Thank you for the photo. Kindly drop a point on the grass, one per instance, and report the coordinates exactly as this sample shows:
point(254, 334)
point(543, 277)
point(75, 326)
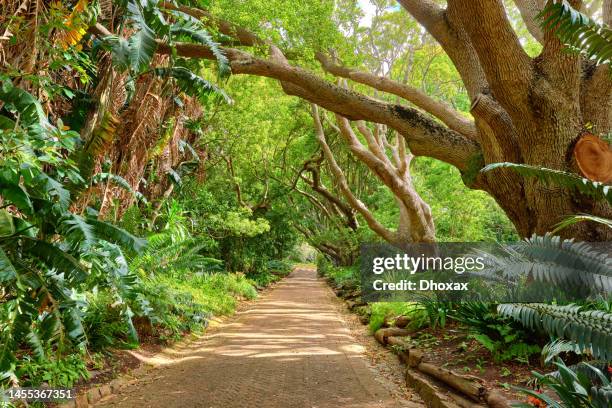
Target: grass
point(380, 310)
point(218, 293)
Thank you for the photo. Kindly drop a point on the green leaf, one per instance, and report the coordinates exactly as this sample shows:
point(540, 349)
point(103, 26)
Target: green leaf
point(195, 30)
point(192, 84)
point(7, 227)
point(7, 270)
point(55, 258)
point(114, 234)
point(572, 181)
point(142, 43)
point(577, 31)
point(16, 195)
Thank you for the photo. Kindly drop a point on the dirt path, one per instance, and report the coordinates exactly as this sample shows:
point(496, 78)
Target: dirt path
point(290, 349)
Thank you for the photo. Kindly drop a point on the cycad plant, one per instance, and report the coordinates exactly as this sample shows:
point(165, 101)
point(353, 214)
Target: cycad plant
point(583, 329)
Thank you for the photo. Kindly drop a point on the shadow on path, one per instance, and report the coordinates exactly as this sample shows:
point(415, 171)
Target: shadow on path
point(291, 349)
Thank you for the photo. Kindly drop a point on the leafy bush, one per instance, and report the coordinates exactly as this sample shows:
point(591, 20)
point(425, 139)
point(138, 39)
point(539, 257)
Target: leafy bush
point(382, 310)
point(497, 333)
point(573, 389)
point(104, 322)
point(64, 372)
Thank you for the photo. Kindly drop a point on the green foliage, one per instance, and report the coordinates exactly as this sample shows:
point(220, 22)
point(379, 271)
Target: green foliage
point(578, 266)
point(573, 389)
point(497, 333)
point(589, 329)
point(577, 31)
point(581, 218)
point(460, 214)
point(47, 253)
point(571, 181)
point(192, 84)
point(61, 373)
point(382, 310)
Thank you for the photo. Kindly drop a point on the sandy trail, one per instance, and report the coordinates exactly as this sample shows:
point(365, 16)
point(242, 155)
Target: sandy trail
point(290, 349)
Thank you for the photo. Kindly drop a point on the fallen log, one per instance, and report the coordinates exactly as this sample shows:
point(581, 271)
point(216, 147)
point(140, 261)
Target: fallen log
point(495, 400)
point(469, 388)
point(382, 334)
point(402, 321)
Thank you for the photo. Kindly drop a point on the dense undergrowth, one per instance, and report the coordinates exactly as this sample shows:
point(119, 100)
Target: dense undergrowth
point(501, 342)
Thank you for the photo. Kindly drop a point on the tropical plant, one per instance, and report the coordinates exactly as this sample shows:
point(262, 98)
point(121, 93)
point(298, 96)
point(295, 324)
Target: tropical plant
point(578, 31)
point(571, 181)
point(497, 333)
point(47, 253)
point(573, 389)
point(590, 330)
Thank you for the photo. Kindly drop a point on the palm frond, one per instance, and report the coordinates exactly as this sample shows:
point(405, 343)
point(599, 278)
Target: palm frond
point(194, 30)
point(192, 84)
point(577, 31)
point(572, 181)
point(111, 233)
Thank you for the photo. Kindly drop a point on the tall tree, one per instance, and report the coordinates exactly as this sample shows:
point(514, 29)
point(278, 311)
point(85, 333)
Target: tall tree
point(525, 110)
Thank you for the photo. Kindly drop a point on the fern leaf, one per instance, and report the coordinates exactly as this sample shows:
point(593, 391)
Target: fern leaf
point(591, 188)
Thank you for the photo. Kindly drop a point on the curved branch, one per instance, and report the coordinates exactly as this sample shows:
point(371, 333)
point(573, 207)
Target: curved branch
point(499, 50)
point(443, 111)
point(357, 204)
point(424, 135)
point(529, 9)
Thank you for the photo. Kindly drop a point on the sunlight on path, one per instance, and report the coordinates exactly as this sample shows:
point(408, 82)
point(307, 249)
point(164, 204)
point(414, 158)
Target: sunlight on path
point(291, 349)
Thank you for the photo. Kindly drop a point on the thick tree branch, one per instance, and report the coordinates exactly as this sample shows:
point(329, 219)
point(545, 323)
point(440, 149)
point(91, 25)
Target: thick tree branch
point(499, 51)
point(416, 224)
point(529, 10)
point(423, 135)
point(443, 111)
point(243, 36)
point(357, 204)
point(447, 28)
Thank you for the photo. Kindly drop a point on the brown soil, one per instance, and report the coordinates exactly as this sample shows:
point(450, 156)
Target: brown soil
point(293, 348)
point(451, 348)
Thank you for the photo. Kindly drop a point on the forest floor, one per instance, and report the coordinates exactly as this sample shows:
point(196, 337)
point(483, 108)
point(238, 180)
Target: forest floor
point(295, 347)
